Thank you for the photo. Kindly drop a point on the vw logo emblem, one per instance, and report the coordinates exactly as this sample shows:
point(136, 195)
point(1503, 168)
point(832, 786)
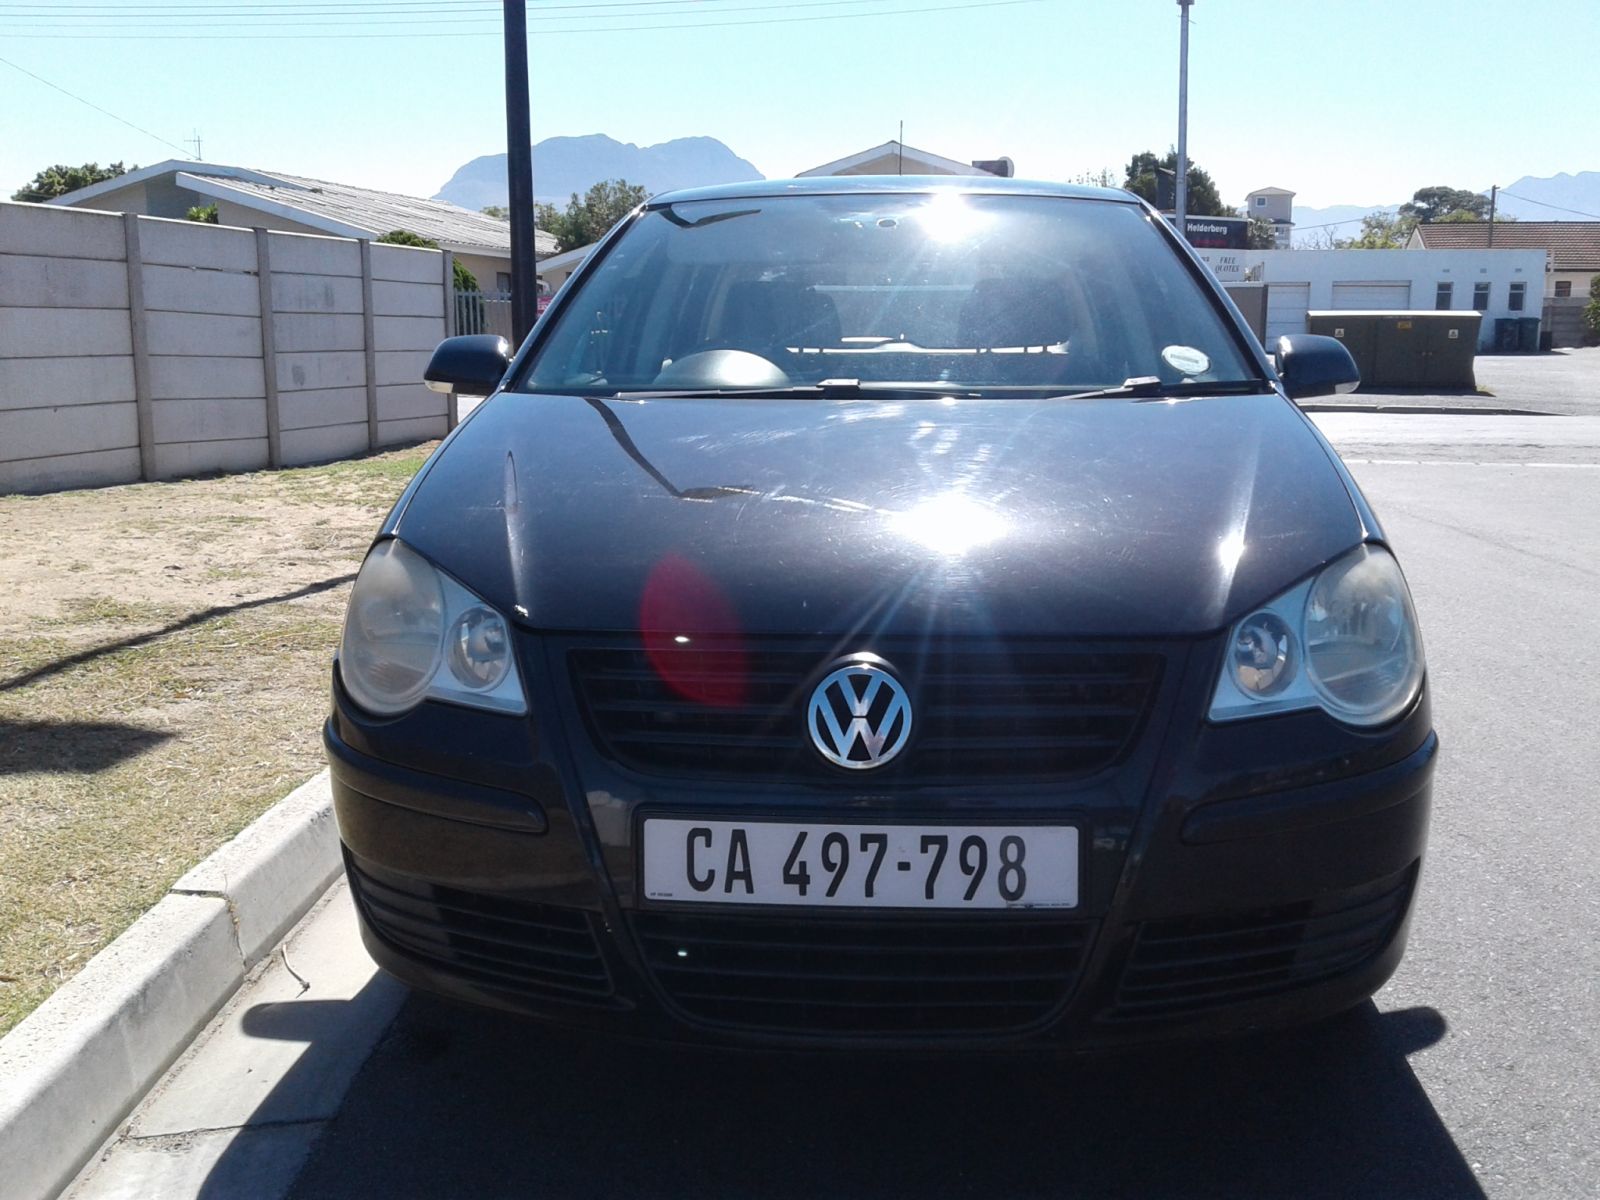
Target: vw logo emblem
point(859, 716)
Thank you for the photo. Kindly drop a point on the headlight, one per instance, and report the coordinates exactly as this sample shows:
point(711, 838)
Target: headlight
point(411, 632)
point(1344, 640)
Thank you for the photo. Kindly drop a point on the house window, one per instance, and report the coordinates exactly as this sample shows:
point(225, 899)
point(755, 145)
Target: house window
point(502, 281)
point(1261, 201)
point(1519, 292)
point(1563, 288)
point(1480, 297)
point(1441, 295)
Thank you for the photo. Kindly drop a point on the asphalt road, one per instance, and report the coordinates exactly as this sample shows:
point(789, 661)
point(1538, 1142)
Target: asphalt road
point(1560, 382)
point(1476, 1071)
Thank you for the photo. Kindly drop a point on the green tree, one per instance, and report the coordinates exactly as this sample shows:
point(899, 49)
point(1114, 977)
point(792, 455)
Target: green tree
point(1591, 310)
point(1204, 200)
point(1263, 234)
point(59, 180)
point(205, 214)
point(1443, 203)
point(464, 280)
point(589, 219)
point(498, 211)
point(1381, 231)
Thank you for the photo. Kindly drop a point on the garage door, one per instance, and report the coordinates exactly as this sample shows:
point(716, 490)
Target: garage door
point(1286, 309)
point(1381, 296)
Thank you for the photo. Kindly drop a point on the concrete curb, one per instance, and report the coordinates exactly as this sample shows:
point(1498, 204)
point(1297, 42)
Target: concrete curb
point(76, 1066)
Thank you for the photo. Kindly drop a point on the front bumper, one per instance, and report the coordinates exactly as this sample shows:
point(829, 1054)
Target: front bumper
point(1256, 876)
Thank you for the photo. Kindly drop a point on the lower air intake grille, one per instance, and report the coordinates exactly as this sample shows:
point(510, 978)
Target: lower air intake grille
point(1179, 967)
point(868, 976)
point(516, 946)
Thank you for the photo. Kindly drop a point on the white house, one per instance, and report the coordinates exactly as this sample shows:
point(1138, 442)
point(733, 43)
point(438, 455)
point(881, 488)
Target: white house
point(1496, 283)
point(272, 200)
point(896, 158)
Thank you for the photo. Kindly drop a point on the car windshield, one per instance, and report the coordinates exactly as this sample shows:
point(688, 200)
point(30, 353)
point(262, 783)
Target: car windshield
point(970, 292)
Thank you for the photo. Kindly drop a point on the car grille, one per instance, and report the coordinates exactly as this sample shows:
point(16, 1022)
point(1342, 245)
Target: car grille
point(840, 976)
point(1179, 967)
point(737, 710)
point(531, 949)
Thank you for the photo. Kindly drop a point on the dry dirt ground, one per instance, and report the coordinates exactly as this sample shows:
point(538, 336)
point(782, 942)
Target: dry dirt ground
point(164, 651)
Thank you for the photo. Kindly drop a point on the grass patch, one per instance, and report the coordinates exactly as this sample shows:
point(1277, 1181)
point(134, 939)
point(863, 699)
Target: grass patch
point(164, 655)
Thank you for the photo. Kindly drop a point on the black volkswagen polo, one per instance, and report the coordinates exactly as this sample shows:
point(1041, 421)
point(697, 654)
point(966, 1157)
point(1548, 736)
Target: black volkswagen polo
point(891, 611)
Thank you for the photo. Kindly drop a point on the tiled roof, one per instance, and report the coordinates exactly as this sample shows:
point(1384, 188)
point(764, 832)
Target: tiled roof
point(1573, 245)
point(452, 227)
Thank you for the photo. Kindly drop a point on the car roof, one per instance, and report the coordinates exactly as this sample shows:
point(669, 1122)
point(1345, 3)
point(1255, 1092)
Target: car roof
point(836, 185)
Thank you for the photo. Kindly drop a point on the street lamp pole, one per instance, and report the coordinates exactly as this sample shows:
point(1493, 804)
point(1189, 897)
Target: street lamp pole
point(519, 173)
point(1182, 188)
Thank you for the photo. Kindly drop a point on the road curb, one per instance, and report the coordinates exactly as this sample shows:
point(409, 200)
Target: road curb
point(74, 1068)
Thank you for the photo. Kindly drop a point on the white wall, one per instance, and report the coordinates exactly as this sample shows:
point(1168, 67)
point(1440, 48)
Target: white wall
point(136, 347)
point(1317, 271)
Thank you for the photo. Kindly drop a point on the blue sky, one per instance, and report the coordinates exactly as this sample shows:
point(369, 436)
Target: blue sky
point(1344, 101)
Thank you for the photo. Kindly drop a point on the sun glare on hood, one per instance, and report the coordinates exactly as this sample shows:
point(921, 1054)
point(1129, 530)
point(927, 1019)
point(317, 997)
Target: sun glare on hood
point(950, 524)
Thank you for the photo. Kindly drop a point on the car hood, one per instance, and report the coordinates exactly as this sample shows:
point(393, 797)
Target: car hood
point(1104, 518)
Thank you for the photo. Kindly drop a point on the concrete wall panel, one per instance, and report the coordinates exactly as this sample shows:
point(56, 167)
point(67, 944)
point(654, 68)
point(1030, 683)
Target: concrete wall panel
point(193, 244)
point(297, 372)
point(208, 420)
point(407, 264)
point(60, 232)
point(294, 333)
point(405, 401)
point(407, 299)
point(206, 378)
point(301, 255)
point(196, 333)
point(415, 429)
point(322, 407)
point(51, 382)
point(190, 289)
point(315, 294)
point(31, 280)
point(58, 332)
point(402, 366)
point(408, 333)
point(202, 458)
point(97, 468)
point(325, 444)
point(70, 429)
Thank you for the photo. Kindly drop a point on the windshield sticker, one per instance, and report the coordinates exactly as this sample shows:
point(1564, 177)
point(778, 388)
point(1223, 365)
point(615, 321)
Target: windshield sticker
point(1187, 359)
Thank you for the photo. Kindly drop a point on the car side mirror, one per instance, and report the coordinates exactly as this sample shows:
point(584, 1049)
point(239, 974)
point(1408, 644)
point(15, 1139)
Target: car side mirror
point(1312, 365)
point(473, 363)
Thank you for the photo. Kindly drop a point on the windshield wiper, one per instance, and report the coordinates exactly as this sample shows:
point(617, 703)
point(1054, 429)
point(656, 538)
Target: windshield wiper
point(1149, 387)
point(828, 389)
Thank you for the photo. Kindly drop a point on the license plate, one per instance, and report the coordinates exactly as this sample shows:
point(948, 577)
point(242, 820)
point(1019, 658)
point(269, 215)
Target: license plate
point(861, 866)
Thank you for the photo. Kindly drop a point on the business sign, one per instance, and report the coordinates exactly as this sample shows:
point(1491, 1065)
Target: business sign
point(1218, 233)
point(1227, 265)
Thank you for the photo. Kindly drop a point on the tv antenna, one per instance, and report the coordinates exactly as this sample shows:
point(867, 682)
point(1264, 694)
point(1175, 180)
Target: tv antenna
point(195, 142)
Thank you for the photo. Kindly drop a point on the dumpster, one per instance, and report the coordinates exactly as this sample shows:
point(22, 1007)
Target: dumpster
point(1528, 334)
point(1426, 349)
point(1507, 335)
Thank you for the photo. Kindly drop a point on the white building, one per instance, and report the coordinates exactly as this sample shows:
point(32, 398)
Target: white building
point(1496, 283)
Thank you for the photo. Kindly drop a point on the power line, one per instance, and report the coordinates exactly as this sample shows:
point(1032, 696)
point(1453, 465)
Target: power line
point(608, 29)
point(96, 107)
point(1542, 204)
point(416, 8)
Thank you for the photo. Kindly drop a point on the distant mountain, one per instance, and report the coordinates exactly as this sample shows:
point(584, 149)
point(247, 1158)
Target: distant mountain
point(1341, 220)
point(1575, 197)
point(564, 165)
point(1554, 198)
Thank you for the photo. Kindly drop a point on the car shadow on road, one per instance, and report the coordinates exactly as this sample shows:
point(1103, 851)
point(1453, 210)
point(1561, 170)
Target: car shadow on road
point(462, 1103)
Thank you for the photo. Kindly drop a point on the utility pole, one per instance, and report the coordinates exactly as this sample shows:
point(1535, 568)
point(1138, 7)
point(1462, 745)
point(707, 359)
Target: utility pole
point(1182, 187)
point(1494, 192)
point(519, 173)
